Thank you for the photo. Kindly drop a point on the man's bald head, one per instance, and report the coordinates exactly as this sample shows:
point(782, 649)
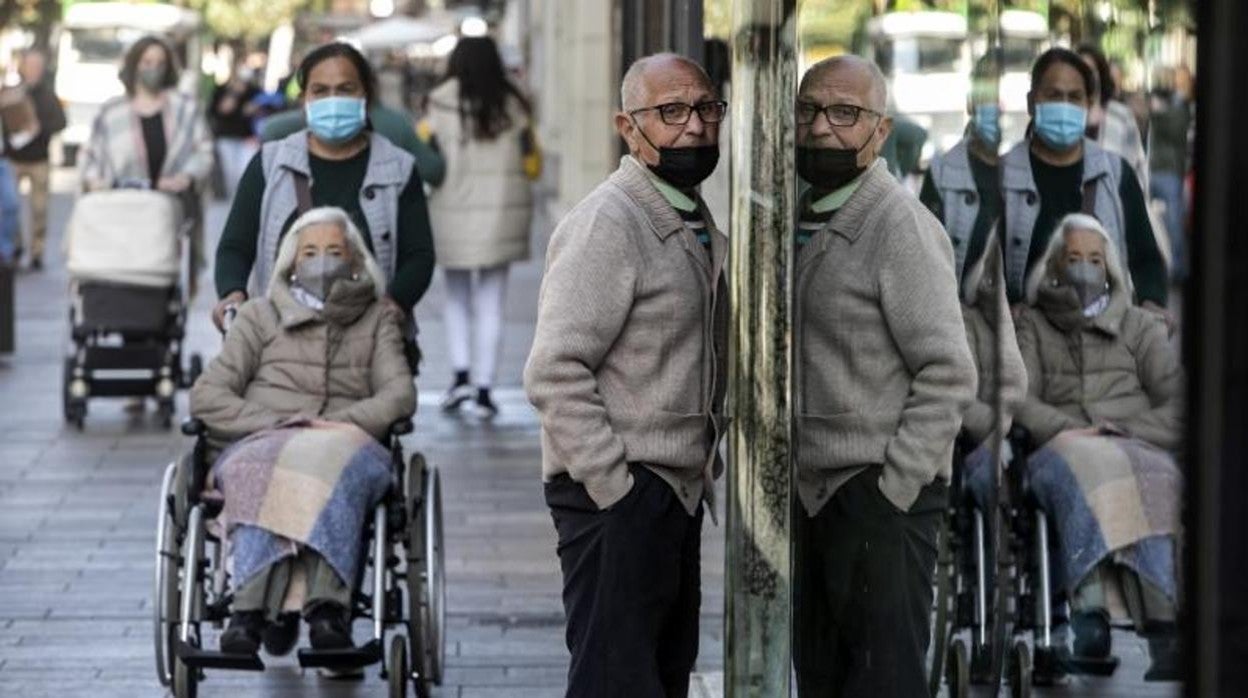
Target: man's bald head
point(854, 70)
point(636, 87)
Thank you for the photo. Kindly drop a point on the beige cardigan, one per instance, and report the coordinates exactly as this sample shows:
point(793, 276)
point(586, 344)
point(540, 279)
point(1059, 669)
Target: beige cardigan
point(884, 370)
point(628, 359)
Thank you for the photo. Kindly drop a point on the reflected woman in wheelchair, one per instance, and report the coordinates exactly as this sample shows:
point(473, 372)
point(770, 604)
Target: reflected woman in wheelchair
point(308, 380)
point(1104, 405)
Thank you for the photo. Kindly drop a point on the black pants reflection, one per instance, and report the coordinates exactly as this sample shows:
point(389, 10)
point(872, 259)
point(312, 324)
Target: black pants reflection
point(631, 589)
point(863, 575)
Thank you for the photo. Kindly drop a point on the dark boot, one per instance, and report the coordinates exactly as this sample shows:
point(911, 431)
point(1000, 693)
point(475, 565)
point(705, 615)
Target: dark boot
point(1093, 638)
point(243, 634)
point(281, 635)
point(329, 626)
point(1166, 666)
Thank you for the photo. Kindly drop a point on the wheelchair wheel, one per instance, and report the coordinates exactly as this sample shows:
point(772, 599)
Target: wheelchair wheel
point(958, 670)
point(396, 667)
point(426, 581)
point(1020, 670)
point(165, 591)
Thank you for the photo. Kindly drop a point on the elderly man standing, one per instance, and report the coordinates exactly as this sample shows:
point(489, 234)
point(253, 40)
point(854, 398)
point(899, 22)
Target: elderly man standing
point(627, 374)
point(884, 372)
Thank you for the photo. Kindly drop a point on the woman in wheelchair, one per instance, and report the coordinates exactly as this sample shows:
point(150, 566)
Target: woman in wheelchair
point(309, 378)
point(1104, 405)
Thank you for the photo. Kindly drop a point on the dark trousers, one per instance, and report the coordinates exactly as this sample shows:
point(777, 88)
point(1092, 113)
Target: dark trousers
point(631, 588)
point(863, 573)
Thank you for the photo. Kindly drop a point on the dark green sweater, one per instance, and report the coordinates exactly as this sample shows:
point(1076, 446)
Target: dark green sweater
point(1061, 193)
point(334, 183)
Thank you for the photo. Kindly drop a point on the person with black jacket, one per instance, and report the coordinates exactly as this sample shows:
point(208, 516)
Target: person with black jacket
point(28, 152)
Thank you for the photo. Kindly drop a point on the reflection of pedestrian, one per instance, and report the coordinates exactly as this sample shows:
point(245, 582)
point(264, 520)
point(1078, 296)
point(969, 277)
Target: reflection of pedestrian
point(885, 374)
point(480, 212)
point(1171, 116)
point(30, 158)
point(1057, 170)
point(1111, 123)
point(230, 114)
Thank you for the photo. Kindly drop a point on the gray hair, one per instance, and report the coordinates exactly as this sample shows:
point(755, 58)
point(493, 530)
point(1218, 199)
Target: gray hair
point(361, 257)
point(632, 87)
point(1046, 266)
point(879, 84)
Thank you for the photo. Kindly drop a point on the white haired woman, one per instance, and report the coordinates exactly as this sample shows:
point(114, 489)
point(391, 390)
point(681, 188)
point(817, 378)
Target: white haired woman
point(1105, 402)
point(310, 377)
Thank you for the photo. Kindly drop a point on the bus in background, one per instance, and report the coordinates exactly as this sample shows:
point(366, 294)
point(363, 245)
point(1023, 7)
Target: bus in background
point(926, 60)
point(93, 40)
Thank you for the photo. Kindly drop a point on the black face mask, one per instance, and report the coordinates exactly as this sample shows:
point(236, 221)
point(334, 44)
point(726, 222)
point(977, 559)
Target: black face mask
point(829, 169)
point(683, 168)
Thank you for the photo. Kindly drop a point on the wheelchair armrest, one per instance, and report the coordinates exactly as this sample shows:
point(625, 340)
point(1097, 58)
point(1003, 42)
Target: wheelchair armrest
point(194, 427)
point(401, 427)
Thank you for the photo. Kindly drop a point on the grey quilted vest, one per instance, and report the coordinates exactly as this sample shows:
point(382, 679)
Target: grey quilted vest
point(389, 169)
point(959, 199)
point(1022, 206)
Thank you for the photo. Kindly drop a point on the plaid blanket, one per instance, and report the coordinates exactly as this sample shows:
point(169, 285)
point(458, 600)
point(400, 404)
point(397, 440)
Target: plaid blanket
point(1110, 495)
point(307, 482)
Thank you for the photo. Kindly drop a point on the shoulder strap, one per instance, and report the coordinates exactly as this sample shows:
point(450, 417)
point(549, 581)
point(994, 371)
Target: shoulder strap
point(303, 191)
point(1089, 197)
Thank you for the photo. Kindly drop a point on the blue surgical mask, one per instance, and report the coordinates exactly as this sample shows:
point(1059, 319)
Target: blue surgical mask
point(336, 119)
point(1060, 124)
point(987, 123)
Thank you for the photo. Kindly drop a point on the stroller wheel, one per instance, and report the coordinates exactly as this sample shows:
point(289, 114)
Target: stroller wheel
point(1020, 670)
point(958, 670)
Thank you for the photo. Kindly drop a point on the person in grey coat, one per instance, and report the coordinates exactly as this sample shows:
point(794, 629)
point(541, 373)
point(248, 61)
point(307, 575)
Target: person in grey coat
point(627, 375)
point(884, 373)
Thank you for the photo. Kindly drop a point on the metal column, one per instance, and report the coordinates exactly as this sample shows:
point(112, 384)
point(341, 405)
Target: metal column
point(758, 596)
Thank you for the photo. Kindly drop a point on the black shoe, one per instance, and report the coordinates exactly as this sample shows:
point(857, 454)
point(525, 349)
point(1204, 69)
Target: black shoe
point(329, 627)
point(36, 264)
point(1093, 636)
point(243, 634)
point(485, 407)
point(1165, 656)
point(281, 635)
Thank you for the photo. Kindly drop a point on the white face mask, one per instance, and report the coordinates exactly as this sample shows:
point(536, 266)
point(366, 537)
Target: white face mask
point(317, 274)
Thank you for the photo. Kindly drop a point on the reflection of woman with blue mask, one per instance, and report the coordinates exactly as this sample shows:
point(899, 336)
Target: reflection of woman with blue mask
point(961, 187)
point(337, 160)
point(1057, 171)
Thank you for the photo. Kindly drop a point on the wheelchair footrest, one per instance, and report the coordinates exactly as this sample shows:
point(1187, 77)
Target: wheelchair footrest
point(208, 659)
point(348, 658)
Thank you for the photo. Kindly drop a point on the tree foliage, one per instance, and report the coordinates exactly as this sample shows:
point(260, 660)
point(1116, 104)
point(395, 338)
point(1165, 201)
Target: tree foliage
point(246, 19)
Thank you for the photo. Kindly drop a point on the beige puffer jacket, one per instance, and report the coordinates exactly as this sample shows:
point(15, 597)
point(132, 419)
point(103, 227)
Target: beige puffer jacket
point(481, 212)
point(985, 313)
point(282, 359)
point(1116, 369)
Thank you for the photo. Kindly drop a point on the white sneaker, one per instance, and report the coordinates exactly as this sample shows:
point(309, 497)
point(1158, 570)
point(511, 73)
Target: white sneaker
point(456, 396)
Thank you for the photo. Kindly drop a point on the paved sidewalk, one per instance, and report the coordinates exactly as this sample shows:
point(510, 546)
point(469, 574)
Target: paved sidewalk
point(77, 513)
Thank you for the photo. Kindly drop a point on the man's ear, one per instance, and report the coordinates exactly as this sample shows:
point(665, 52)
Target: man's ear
point(883, 131)
point(624, 126)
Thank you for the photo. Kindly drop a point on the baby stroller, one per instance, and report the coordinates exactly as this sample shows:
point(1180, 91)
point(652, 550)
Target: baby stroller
point(129, 262)
point(406, 589)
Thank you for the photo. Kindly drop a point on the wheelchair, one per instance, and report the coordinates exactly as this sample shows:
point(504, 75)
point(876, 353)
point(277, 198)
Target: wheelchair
point(968, 630)
point(1037, 606)
point(404, 598)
